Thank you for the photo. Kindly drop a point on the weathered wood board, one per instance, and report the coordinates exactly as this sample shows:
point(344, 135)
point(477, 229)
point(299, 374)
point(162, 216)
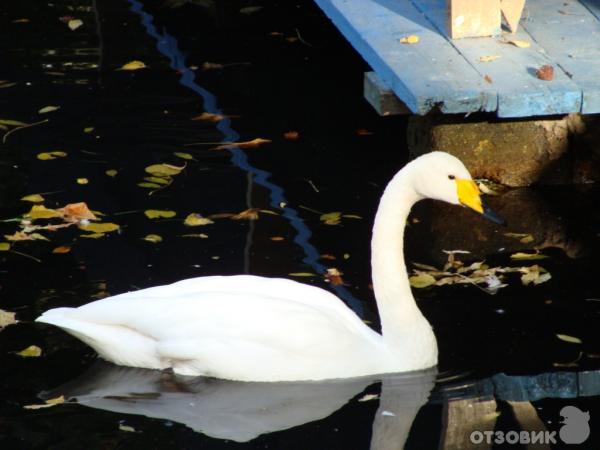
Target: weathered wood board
point(458, 76)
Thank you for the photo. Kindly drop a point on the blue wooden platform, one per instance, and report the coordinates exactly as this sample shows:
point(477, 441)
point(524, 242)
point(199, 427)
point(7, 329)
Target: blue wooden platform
point(448, 74)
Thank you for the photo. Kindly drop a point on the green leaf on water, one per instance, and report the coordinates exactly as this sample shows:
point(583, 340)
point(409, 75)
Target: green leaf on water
point(159, 214)
point(569, 339)
point(163, 170)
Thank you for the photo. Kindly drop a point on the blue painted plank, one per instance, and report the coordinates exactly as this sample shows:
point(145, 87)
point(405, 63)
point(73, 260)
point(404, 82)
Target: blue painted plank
point(520, 92)
point(424, 75)
point(571, 37)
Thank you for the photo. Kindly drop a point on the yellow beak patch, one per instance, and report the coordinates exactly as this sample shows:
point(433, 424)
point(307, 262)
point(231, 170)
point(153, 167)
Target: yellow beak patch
point(469, 195)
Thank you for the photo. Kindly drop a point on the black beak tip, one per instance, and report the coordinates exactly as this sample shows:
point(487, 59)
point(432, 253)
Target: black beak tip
point(491, 215)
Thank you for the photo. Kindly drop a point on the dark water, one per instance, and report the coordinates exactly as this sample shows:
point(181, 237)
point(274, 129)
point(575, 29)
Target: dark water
point(286, 69)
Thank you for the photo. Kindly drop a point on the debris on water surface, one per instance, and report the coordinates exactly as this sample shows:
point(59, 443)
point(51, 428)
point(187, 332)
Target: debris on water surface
point(546, 72)
point(49, 403)
point(7, 318)
point(33, 351)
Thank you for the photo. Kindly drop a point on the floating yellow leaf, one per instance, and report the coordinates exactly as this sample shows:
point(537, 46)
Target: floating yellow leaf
point(33, 351)
point(126, 428)
point(41, 212)
point(412, 39)
point(209, 117)
point(73, 24)
point(183, 155)
point(489, 58)
point(149, 185)
point(49, 403)
point(527, 256)
point(7, 318)
point(569, 339)
point(159, 180)
point(196, 220)
point(88, 129)
point(11, 123)
point(46, 156)
point(133, 65)
point(163, 170)
point(47, 109)
point(82, 181)
point(154, 238)
point(62, 249)
point(93, 235)
point(246, 144)
point(302, 274)
point(33, 198)
point(4, 246)
point(534, 274)
point(22, 236)
point(332, 218)
point(111, 172)
point(159, 214)
point(277, 238)
point(195, 235)
point(520, 43)
point(102, 227)
point(422, 280)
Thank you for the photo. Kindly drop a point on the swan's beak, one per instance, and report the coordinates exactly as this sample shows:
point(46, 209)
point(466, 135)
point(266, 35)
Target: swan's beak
point(469, 196)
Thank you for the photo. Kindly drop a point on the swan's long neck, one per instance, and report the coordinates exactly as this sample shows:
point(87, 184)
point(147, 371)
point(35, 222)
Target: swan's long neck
point(397, 308)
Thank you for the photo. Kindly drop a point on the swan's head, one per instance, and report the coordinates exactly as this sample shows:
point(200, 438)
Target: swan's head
point(441, 176)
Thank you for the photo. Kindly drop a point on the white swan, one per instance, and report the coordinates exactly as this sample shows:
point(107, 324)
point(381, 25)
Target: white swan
point(251, 328)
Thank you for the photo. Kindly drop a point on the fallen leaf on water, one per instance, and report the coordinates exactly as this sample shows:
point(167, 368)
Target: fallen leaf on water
point(111, 172)
point(93, 235)
point(24, 20)
point(520, 43)
point(73, 24)
point(159, 180)
point(328, 257)
point(62, 249)
point(41, 212)
point(154, 238)
point(163, 170)
point(149, 185)
point(101, 227)
point(534, 274)
point(291, 135)
point(7, 318)
point(212, 66)
point(88, 129)
point(334, 276)
point(4, 246)
point(246, 144)
point(351, 216)
point(248, 214)
point(159, 214)
point(82, 181)
point(126, 428)
point(183, 155)
point(22, 236)
point(221, 216)
point(546, 72)
point(74, 212)
point(421, 280)
point(49, 108)
point(489, 58)
point(195, 235)
point(277, 238)
point(247, 10)
point(49, 403)
point(33, 351)
point(302, 274)
point(412, 39)
point(569, 339)
point(12, 123)
point(209, 117)
point(196, 220)
point(33, 198)
point(46, 156)
point(527, 256)
point(332, 218)
point(133, 65)
point(524, 238)
point(363, 132)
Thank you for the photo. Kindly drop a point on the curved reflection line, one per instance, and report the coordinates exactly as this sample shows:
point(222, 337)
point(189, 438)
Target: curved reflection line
point(168, 46)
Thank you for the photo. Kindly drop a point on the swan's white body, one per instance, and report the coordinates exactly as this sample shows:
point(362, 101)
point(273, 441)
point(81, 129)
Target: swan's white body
point(266, 329)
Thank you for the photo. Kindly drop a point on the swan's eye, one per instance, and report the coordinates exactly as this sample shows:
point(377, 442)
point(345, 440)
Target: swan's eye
point(451, 177)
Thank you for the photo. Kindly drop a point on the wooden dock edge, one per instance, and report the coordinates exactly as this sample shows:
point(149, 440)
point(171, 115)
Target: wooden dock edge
point(382, 98)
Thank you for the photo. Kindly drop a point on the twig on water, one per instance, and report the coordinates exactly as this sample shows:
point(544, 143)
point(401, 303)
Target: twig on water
point(8, 133)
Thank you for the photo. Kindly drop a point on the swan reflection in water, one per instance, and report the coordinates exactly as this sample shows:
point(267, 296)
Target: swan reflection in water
point(242, 411)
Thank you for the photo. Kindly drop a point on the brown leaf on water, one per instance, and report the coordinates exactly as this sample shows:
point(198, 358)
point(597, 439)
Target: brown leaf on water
point(22, 236)
point(62, 249)
point(212, 66)
point(277, 238)
point(363, 132)
point(209, 117)
point(334, 276)
point(328, 257)
point(291, 135)
point(546, 72)
point(488, 79)
point(248, 214)
point(74, 212)
point(254, 143)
